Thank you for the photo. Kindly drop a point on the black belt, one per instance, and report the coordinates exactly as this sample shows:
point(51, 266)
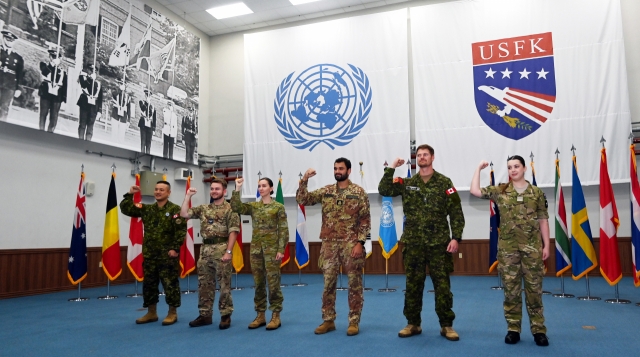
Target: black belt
point(215, 240)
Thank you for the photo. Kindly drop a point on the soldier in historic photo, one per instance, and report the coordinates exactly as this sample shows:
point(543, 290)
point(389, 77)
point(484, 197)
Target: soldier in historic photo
point(90, 103)
point(169, 130)
point(189, 134)
point(52, 90)
point(11, 73)
point(147, 123)
point(120, 113)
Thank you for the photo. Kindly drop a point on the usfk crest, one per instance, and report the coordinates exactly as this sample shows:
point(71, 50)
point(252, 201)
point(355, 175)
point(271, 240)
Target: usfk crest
point(324, 104)
point(514, 83)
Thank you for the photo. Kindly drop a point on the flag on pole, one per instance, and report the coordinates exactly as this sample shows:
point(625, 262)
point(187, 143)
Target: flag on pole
point(533, 182)
point(111, 238)
point(302, 243)
point(136, 237)
point(635, 217)
point(187, 255)
point(388, 236)
point(77, 267)
point(35, 9)
point(158, 61)
point(142, 49)
point(563, 248)
point(280, 198)
point(404, 216)
point(494, 229)
point(81, 12)
point(237, 259)
point(610, 267)
point(123, 45)
point(583, 255)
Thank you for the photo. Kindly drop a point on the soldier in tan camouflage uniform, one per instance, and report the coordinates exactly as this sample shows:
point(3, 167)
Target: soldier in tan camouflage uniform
point(428, 198)
point(521, 253)
point(346, 221)
point(164, 232)
point(268, 242)
point(219, 228)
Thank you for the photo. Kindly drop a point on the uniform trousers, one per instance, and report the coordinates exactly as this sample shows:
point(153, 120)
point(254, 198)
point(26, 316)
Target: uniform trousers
point(266, 270)
point(51, 108)
point(211, 268)
point(6, 96)
point(161, 270)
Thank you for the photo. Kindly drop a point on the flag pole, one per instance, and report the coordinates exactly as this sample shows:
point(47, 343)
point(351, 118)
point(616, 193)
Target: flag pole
point(287, 245)
point(364, 285)
point(136, 293)
point(109, 297)
point(188, 291)
point(386, 278)
point(562, 294)
point(617, 299)
point(300, 283)
point(533, 172)
point(79, 298)
point(588, 297)
point(136, 171)
point(237, 287)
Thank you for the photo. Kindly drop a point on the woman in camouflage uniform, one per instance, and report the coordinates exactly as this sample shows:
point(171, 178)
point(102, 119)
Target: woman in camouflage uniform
point(268, 242)
point(521, 252)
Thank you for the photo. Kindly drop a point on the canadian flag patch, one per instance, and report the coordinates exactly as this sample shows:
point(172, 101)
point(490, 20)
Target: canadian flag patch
point(451, 191)
point(398, 180)
point(175, 216)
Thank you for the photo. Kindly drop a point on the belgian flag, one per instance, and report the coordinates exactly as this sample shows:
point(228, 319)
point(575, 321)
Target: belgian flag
point(111, 239)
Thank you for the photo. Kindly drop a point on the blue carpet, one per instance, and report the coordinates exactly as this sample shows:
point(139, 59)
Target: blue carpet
point(49, 325)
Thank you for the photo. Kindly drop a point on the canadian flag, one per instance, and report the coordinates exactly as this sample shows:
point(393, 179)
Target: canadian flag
point(187, 255)
point(610, 267)
point(136, 237)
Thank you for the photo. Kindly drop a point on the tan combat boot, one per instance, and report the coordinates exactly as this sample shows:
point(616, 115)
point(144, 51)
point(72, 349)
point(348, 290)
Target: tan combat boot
point(325, 327)
point(259, 321)
point(275, 321)
point(353, 330)
point(410, 330)
point(449, 333)
point(150, 316)
point(172, 317)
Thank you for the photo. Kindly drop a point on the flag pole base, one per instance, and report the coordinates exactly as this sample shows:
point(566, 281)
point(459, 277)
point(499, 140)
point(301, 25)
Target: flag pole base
point(238, 288)
point(299, 284)
point(387, 290)
point(618, 301)
point(342, 289)
point(189, 291)
point(544, 292)
point(564, 296)
point(367, 289)
point(134, 295)
point(161, 293)
point(431, 291)
point(107, 297)
point(497, 288)
point(588, 298)
point(283, 285)
point(638, 304)
point(79, 299)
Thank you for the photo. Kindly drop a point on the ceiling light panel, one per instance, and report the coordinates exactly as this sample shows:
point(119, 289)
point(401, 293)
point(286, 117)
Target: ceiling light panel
point(231, 10)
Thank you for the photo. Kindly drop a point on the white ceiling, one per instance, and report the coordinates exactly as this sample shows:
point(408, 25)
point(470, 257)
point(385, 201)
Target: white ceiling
point(265, 12)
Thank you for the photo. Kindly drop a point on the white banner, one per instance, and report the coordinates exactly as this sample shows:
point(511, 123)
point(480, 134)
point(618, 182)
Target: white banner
point(317, 92)
point(496, 78)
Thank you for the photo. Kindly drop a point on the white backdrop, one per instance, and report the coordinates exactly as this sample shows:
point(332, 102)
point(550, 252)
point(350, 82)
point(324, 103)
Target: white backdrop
point(317, 92)
point(589, 99)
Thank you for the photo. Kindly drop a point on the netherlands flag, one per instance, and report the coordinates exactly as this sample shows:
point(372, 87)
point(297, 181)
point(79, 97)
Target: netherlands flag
point(302, 243)
point(635, 217)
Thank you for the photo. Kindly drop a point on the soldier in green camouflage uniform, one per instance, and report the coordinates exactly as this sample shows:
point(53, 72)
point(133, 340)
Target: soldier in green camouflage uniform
point(428, 198)
point(219, 228)
point(521, 252)
point(346, 221)
point(268, 242)
point(164, 233)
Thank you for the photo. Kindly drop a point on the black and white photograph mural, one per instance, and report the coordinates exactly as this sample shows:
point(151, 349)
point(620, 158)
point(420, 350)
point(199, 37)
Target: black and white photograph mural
point(116, 72)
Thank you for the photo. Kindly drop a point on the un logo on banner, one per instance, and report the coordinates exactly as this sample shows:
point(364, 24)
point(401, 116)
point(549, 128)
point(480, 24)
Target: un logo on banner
point(386, 219)
point(514, 83)
point(323, 104)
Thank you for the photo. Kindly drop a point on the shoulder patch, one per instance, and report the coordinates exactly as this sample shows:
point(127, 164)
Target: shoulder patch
point(176, 216)
point(451, 190)
point(139, 205)
point(398, 180)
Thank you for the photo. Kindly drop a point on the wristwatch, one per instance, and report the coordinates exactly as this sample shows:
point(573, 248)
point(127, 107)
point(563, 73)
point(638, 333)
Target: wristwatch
point(362, 242)
point(228, 251)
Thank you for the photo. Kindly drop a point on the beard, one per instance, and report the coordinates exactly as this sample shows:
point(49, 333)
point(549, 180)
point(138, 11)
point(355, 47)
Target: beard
point(216, 197)
point(340, 177)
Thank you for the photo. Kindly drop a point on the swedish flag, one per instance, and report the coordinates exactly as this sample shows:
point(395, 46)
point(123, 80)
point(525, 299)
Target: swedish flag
point(583, 255)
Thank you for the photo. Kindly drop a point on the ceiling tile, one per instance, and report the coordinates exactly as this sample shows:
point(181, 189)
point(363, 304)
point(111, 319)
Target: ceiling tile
point(200, 16)
point(353, 8)
point(374, 4)
point(334, 12)
point(276, 22)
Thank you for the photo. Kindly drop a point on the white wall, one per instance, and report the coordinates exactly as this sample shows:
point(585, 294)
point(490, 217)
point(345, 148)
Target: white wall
point(227, 98)
point(40, 172)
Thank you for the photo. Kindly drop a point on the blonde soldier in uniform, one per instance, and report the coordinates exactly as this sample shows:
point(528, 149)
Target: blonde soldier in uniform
point(346, 221)
point(219, 227)
point(521, 253)
point(268, 242)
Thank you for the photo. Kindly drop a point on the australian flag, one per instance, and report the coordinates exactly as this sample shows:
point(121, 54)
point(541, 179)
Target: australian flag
point(514, 83)
point(77, 269)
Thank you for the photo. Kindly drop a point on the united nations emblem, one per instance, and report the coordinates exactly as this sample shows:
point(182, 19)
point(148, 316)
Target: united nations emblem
point(386, 220)
point(81, 5)
point(323, 104)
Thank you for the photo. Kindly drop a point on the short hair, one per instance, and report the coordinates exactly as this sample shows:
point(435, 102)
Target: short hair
point(425, 147)
point(220, 181)
point(345, 161)
point(164, 183)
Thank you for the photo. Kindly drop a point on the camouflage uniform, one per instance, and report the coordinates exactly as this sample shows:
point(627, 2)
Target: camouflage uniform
point(426, 237)
point(345, 221)
point(270, 236)
point(164, 230)
point(520, 252)
point(216, 223)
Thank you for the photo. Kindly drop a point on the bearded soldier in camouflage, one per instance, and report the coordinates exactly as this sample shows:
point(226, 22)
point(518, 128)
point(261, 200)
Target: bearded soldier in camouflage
point(521, 252)
point(219, 228)
point(268, 242)
point(428, 198)
point(164, 233)
point(346, 221)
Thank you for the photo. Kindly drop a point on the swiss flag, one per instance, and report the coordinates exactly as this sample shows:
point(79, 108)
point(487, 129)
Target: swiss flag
point(610, 267)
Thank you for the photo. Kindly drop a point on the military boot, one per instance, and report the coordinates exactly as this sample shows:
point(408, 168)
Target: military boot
point(225, 322)
point(353, 330)
point(150, 316)
point(201, 321)
point(172, 317)
point(449, 333)
point(325, 327)
point(410, 330)
point(259, 321)
point(275, 321)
